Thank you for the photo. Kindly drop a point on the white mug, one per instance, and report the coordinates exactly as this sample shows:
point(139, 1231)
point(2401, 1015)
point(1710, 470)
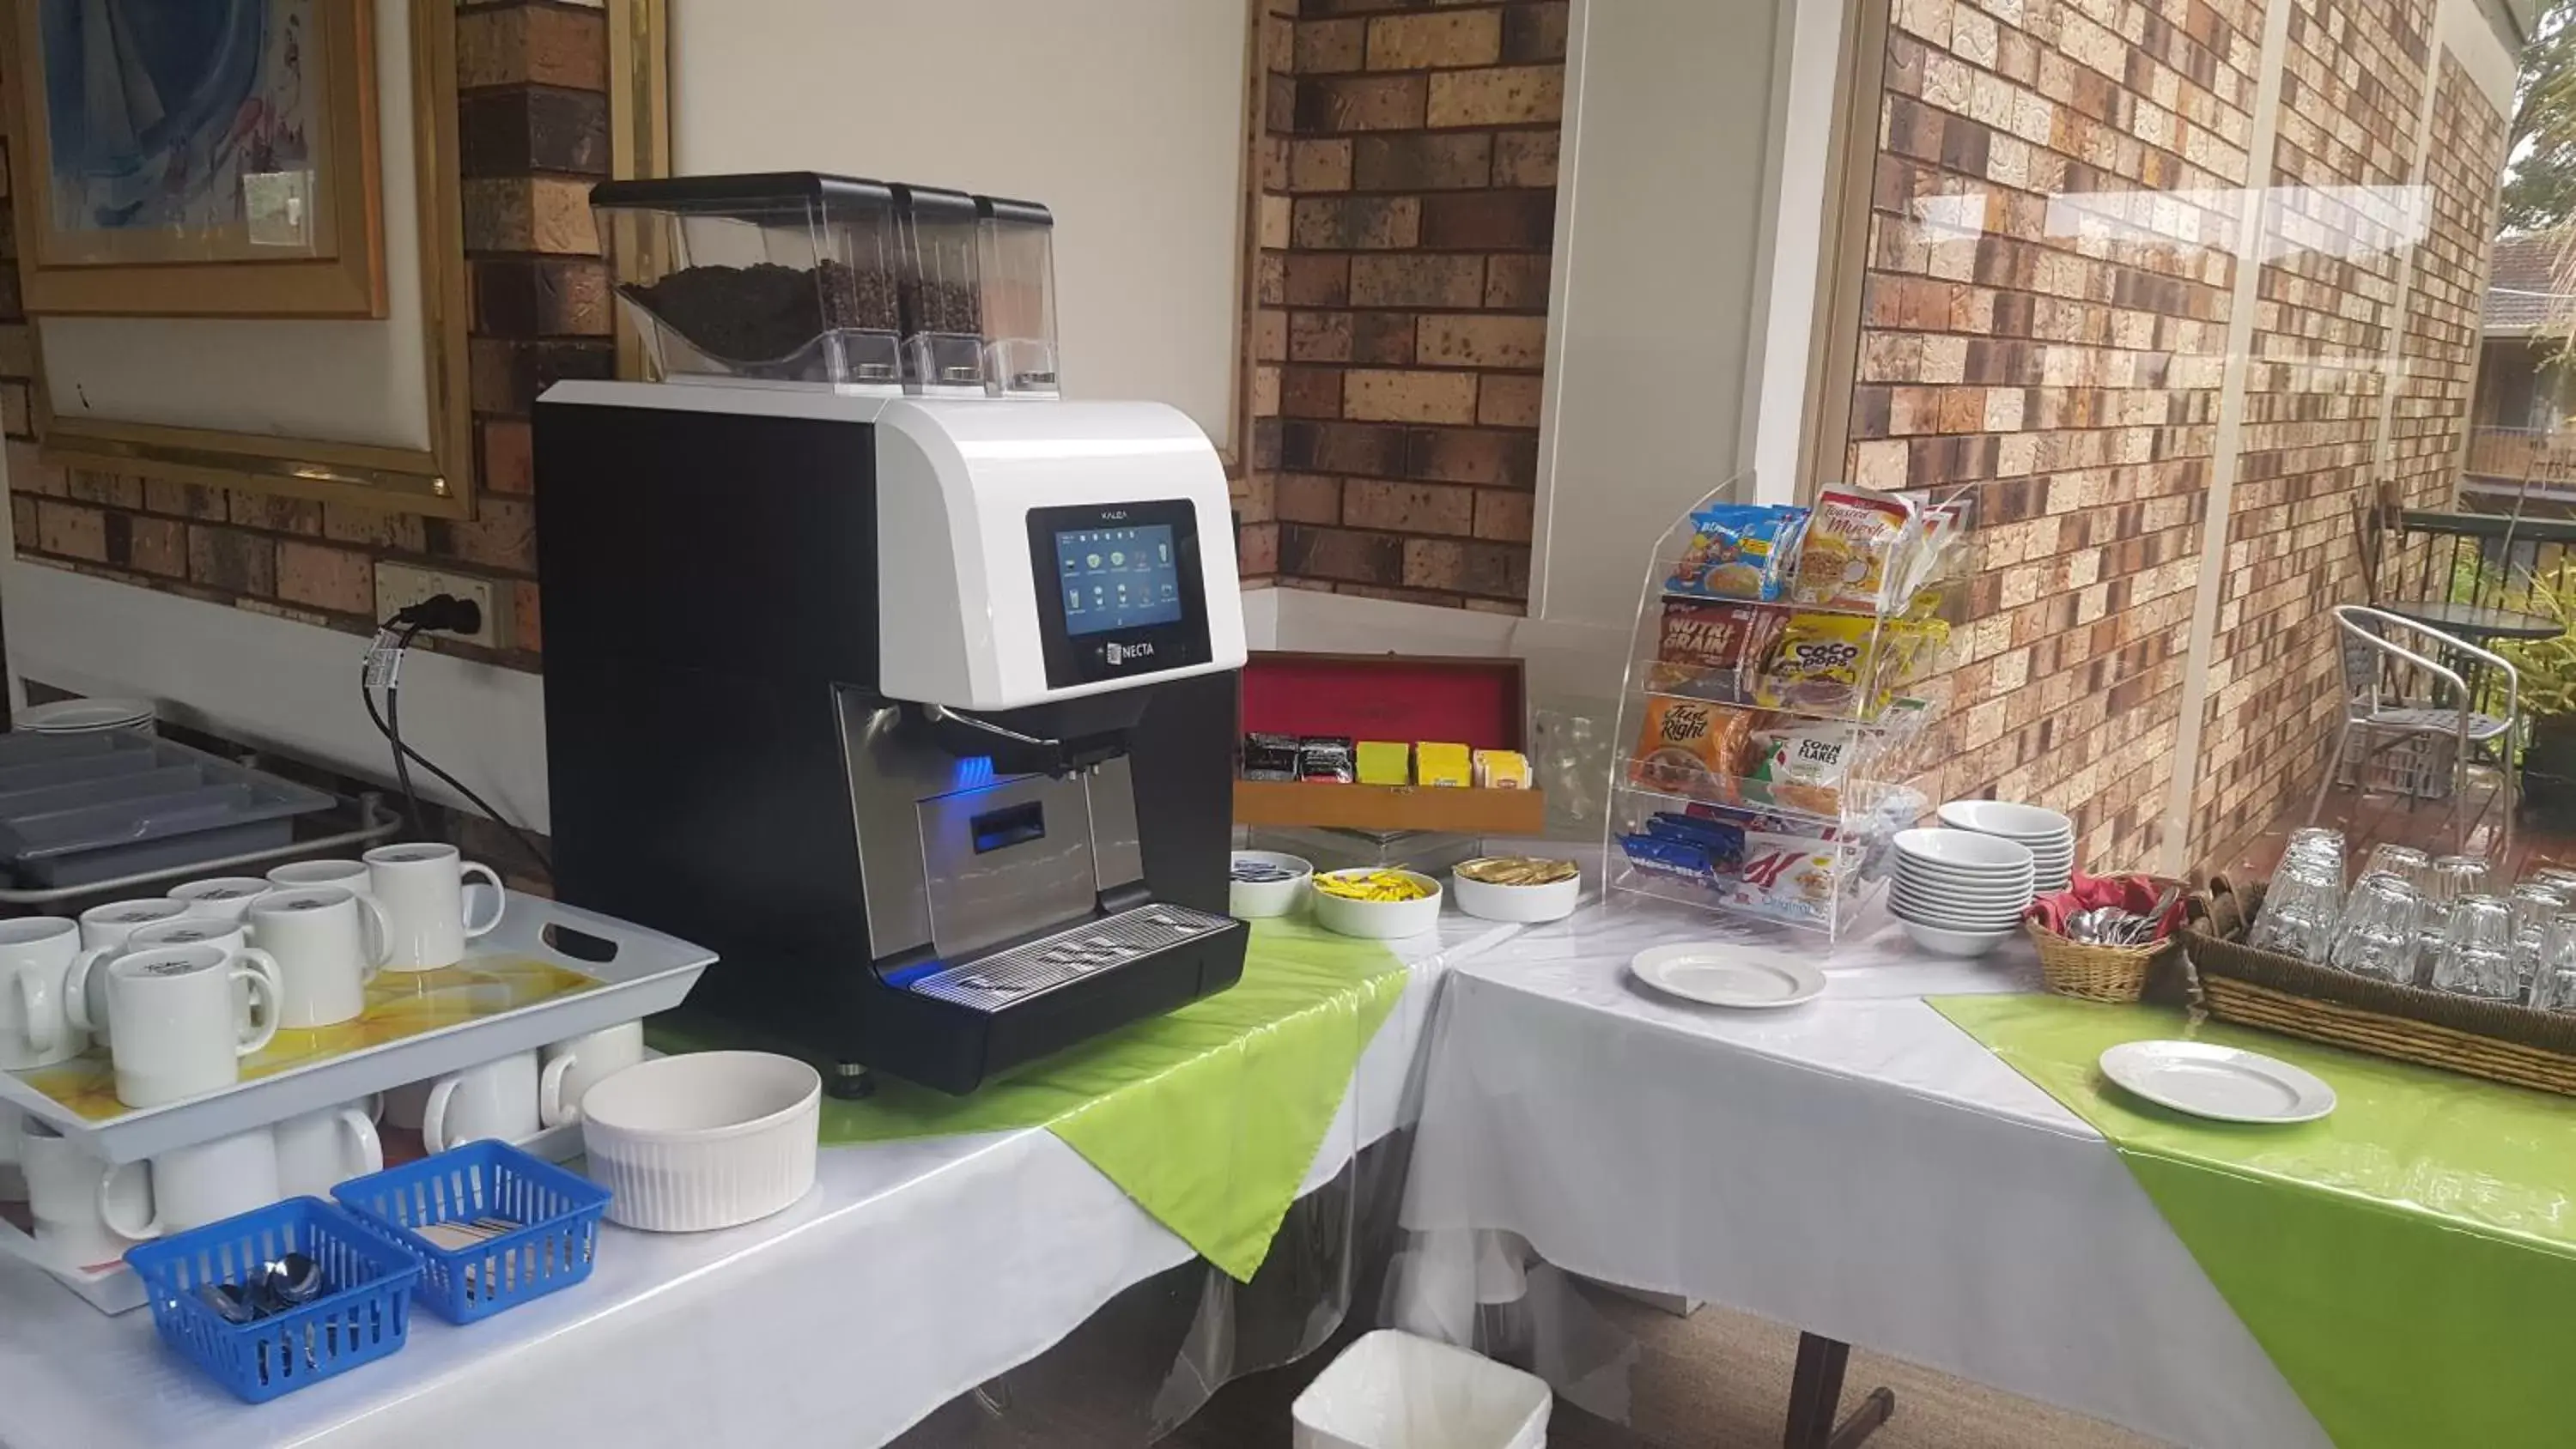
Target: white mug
point(36, 954)
point(320, 1150)
point(176, 1036)
point(223, 898)
point(103, 931)
point(574, 1067)
point(328, 943)
point(193, 930)
point(64, 1189)
point(194, 1186)
point(496, 1099)
point(404, 1106)
point(421, 888)
point(349, 875)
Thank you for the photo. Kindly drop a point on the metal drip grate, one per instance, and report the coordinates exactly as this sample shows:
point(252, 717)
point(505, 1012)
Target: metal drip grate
point(995, 981)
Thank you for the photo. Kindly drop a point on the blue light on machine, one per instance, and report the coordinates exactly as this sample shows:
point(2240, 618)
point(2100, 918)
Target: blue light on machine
point(911, 974)
point(973, 771)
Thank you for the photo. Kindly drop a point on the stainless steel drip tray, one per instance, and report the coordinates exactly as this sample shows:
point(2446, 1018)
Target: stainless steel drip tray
point(1005, 978)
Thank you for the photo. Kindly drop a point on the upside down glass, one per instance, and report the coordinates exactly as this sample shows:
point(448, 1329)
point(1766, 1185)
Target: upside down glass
point(2318, 844)
point(2553, 985)
point(2378, 935)
point(2447, 879)
point(2403, 861)
point(2477, 951)
point(2300, 910)
point(2535, 904)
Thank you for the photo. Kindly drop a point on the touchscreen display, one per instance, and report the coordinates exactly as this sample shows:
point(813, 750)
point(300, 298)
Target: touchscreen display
point(1117, 578)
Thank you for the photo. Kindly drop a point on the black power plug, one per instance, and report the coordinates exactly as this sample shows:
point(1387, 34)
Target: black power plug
point(441, 614)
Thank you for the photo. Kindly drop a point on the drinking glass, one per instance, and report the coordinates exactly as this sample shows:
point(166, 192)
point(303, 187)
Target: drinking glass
point(2320, 844)
point(2477, 950)
point(2553, 985)
point(2445, 880)
point(2378, 935)
point(2403, 861)
point(2554, 875)
point(2300, 910)
point(2535, 904)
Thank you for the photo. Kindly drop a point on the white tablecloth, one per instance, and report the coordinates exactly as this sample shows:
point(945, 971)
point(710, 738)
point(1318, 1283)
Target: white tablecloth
point(1856, 1166)
point(913, 1272)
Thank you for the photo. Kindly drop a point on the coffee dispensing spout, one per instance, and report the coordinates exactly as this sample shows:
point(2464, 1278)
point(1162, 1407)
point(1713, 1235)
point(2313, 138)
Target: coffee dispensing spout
point(1060, 739)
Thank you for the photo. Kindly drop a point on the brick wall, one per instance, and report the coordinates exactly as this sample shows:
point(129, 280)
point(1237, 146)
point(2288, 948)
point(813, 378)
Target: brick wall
point(2050, 286)
point(1408, 205)
point(2351, 96)
point(533, 123)
point(2068, 369)
point(2446, 292)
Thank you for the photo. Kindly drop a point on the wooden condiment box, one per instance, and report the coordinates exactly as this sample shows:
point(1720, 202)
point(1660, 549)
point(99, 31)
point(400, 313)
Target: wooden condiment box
point(1477, 702)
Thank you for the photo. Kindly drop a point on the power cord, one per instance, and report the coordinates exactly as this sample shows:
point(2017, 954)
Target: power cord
point(383, 668)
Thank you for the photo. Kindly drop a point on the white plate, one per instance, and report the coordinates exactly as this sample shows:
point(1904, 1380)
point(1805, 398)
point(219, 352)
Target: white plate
point(1962, 905)
point(1922, 884)
point(1941, 921)
point(1923, 869)
point(1941, 941)
point(1726, 973)
point(80, 716)
point(2007, 819)
point(2218, 1082)
point(1963, 850)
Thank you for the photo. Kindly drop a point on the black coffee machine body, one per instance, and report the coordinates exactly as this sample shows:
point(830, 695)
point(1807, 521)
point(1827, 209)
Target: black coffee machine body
point(919, 712)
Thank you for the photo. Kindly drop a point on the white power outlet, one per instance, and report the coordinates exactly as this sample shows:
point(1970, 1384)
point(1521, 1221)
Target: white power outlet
point(400, 585)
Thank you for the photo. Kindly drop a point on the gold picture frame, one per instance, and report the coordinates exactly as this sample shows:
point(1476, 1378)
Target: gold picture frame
point(311, 239)
point(437, 481)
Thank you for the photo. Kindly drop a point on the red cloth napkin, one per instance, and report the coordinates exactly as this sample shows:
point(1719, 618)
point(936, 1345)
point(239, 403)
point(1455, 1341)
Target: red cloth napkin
point(2135, 894)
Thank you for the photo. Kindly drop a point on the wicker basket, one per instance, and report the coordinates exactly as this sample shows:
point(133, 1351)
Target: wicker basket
point(2095, 973)
point(2500, 1042)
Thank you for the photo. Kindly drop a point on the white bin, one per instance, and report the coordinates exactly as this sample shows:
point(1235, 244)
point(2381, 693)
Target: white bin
point(1391, 1390)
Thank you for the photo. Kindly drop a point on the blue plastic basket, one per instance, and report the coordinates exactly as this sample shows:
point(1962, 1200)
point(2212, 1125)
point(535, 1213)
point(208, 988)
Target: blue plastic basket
point(558, 1213)
point(365, 1316)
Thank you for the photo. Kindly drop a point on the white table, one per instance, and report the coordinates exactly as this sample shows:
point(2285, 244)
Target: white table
point(1856, 1166)
point(913, 1272)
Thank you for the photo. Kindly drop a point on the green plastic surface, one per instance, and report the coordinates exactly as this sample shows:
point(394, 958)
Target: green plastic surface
point(2409, 1262)
point(1208, 1116)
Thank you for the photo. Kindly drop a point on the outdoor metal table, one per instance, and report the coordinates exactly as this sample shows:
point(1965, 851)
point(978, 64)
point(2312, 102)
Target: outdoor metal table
point(2475, 621)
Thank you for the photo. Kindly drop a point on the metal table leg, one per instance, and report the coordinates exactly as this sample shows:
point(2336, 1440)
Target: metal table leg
point(1816, 1390)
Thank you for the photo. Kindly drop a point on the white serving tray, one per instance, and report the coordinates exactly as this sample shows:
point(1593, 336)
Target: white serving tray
point(644, 972)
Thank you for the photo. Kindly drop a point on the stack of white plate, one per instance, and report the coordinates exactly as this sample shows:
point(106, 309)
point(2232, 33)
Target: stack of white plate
point(1959, 892)
point(85, 716)
point(2049, 836)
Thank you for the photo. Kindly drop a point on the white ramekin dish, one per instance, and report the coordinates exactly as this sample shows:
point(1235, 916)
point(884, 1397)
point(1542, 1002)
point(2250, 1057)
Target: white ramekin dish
point(1377, 920)
point(1251, 900)
point(701, 1141)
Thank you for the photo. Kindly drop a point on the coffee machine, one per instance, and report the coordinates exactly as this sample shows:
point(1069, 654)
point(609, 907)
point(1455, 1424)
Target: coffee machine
point(913, 697)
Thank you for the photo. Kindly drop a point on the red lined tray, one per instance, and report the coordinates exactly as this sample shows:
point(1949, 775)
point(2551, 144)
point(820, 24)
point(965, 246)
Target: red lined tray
point(1477, 702)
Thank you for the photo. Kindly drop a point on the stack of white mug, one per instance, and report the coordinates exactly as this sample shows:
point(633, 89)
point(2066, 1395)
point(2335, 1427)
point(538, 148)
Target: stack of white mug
point(182, 988)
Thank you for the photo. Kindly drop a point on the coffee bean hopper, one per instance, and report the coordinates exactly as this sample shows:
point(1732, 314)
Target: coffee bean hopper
point(911, 695)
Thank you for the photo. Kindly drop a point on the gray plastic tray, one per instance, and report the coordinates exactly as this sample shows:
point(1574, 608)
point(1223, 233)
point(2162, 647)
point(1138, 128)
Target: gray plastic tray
point(639, 973)
point(82, 808)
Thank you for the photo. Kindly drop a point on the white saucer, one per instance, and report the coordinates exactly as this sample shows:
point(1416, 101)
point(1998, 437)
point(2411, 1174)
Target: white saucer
point(1727, 973)
point(2218, 1082)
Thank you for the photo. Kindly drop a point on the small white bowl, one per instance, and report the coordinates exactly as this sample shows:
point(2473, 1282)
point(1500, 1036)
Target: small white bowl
point(1524, 904)
point(1942, 942)
point(1964, 850)
point(2025, 823)
point(1251, 900)
point(1979, 918)
point(1376, 920)
point(702, 1141)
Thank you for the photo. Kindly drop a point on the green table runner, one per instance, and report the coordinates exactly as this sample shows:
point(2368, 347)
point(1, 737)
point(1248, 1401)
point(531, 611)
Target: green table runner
point(2409, 1263)
point(1209, 1116)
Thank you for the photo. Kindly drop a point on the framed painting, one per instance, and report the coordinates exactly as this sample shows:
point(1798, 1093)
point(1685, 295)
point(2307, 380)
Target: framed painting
point(197, 157)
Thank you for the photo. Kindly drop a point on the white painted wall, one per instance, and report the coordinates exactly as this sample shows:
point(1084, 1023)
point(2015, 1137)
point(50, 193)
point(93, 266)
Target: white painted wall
point(1661, 244)
point(1126, 117)
point(361, 381)
point(276, 683)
